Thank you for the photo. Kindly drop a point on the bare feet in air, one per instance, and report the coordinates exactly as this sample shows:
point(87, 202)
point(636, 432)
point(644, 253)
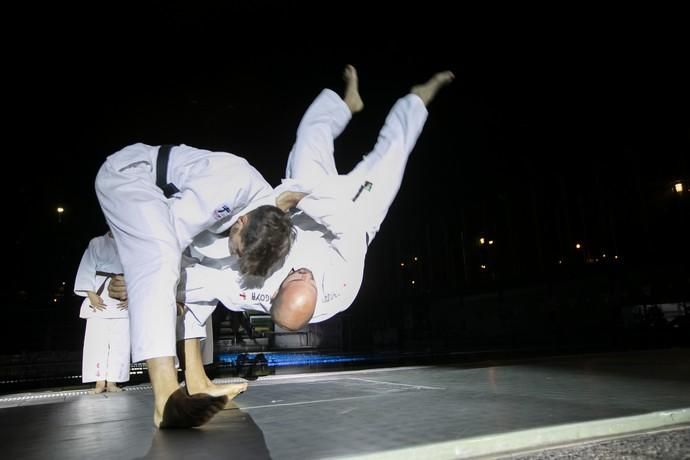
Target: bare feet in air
point(184, 411)
point(427, 91)
point(352, 98)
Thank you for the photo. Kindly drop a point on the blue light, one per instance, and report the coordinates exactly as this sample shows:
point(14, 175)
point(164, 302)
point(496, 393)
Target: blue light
point(296, 359)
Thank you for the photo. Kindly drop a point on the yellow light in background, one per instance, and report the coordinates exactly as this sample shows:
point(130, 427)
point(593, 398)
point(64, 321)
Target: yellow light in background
point(412, 281)
point(402, 264)
point(578, 246)
point(483, 267)
point(481, 240)
point(60, 210)
point(415, 259)
point(678, 187)
point(491, 242)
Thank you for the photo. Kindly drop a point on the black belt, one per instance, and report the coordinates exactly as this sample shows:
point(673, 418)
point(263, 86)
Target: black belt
point(107, 277)
point(169, 189)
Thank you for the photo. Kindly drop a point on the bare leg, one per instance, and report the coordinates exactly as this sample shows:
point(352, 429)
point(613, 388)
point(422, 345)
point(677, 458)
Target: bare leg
point(351, 97)
point(196, 379)
point(113, 388)
point(100, 387)
point(427, 91)
point(173, 408)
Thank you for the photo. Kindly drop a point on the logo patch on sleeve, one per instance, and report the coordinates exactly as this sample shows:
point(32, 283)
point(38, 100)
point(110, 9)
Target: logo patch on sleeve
point(222, 211)
point(366, 186)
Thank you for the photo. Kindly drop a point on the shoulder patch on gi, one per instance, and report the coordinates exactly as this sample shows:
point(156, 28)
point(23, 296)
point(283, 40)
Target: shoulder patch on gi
point(222, 211)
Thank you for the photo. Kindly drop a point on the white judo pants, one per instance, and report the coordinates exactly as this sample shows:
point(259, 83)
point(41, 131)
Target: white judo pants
point(190, 326)
point(312, 162)
point(106, 350)
point(138, 215)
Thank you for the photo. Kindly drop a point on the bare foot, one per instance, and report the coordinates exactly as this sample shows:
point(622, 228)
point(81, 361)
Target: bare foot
point(229, 390)
point(100, 388)
point(113, 388)
point(427, 91)
point(183, 411)
point(231, 405)
point(352, 98)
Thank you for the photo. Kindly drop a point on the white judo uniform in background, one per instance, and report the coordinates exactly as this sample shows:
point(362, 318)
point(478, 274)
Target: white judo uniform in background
point(335, 222)
point(106, 353)
point(151, 230)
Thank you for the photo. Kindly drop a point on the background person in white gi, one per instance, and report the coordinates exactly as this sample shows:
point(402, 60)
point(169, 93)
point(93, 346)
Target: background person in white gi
point(106, 353)
point(338, 218)
point(210, 190)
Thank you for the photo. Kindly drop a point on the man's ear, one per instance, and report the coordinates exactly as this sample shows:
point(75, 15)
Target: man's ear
point(243, 219)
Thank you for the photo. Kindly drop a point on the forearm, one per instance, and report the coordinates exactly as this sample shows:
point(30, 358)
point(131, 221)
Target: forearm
point(289, 200)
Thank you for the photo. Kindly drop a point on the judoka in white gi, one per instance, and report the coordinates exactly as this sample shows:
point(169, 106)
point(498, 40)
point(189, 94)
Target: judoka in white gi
point(205, 190)
point(337, 218)
point(106, 356)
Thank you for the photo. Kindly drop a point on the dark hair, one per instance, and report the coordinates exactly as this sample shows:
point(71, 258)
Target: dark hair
point(267, 237)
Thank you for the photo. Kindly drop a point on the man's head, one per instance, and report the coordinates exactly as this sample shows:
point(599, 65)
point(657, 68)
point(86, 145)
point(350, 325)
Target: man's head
point(261, 238)
point(293, 305)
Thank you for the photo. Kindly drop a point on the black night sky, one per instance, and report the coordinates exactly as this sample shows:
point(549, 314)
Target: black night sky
point(562, 127)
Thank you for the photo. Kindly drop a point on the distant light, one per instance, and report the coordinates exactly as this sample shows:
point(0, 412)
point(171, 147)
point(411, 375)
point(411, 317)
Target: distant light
point(615, 257)
point(481, 240)
point(54, 300)
point(60, 210)
point(412, 281)
point(578, 246)
point(603, 256)
point(402, 264)
point(483, 267)
point(63, 283)
point(560, 262)
point(415, 259)
point(491, 241)
point(678, 187)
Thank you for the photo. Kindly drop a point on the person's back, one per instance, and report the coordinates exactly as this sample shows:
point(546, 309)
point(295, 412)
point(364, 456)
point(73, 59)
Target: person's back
point(214, 188)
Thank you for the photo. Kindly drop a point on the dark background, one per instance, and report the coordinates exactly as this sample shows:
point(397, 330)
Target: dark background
point(563, 127)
